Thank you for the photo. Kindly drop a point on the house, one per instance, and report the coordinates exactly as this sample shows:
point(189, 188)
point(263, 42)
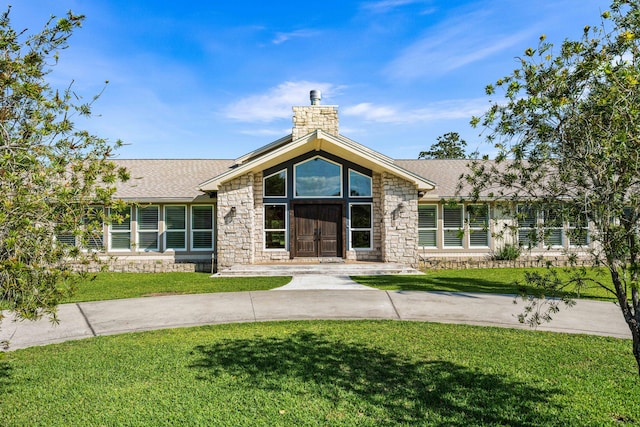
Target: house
point(311, 195)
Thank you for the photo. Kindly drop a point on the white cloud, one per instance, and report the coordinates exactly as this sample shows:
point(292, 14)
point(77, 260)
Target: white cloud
point(444, 110)
point(276, 102)
point(283, 37)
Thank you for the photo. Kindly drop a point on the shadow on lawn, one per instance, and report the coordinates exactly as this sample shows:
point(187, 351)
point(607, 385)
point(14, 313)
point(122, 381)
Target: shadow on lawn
point(5, 375)
point(406, 391)
point(427, 283)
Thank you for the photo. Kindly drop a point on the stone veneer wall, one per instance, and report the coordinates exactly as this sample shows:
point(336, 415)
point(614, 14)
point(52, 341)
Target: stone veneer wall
point(146, 266)
point(378, 212)
point(310, 118)
point(235, 237)
point(400, 220)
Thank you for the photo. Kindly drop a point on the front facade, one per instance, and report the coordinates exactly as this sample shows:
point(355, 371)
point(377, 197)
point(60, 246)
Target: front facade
point(312, 195)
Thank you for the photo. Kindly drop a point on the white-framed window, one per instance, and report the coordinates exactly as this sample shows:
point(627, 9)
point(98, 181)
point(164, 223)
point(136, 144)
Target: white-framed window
point(360, 185)
point(452, 217)
point(120, 229)
point(427, 226)
point(275, 226)
point(317, 178)
point(553, 227)
point(175, 227)
point(527, 226)
point(148, 228)
point(202, 227)
point(275, 185)
point(361, 226)
point(91, 236)
point(578, 231)
point(478, 222)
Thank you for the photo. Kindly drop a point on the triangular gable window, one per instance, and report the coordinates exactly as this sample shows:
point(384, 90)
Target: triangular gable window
point(318, 177)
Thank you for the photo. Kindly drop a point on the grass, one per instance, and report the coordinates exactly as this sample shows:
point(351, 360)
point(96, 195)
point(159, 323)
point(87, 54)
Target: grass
point(105, 286)
point(365, 373)
point(489, 280)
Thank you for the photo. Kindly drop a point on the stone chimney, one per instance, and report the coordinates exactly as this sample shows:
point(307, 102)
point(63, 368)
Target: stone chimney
point(310, 118)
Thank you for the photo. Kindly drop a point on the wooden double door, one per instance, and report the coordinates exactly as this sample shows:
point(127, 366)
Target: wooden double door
point(318, 230)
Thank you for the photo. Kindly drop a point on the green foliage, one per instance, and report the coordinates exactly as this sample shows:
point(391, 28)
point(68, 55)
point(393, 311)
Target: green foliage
point(50, 172)
point(448, 146)
point(368, 373)
point(506, 252)
point(568, 134)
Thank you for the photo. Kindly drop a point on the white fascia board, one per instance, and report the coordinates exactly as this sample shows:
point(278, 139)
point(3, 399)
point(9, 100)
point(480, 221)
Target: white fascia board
point(382, 161)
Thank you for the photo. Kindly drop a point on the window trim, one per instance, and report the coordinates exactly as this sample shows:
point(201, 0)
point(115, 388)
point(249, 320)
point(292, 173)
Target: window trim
point(295, 190)
point(129, 231)
point(264, 186)
point(174, 230)
point(265, 229)
point(429, 228)
point(193, 230)
point(369, 229)
point(370, 185)
point(141, 230)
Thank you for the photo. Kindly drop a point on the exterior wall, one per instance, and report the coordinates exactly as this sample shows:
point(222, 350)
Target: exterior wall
point(236, 213)
point(399, 221)
point(148, 265)
point(310, 118)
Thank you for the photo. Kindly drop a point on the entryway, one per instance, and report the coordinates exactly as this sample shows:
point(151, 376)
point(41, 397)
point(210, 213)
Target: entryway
point(317, 230)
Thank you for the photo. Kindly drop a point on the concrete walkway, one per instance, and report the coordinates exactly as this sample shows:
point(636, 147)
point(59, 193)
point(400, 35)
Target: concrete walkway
point(84, 320)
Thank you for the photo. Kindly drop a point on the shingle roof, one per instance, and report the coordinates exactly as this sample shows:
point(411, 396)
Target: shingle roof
point(178, 179)
point(167, 178)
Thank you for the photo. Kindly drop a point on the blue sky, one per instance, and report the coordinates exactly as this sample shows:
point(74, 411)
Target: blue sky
point(217, 79)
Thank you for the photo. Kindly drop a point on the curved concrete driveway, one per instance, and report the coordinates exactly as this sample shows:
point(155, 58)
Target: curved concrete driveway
point(83, 320)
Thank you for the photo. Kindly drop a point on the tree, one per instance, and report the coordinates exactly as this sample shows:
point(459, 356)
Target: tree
point(51, 174)
point(568, 138)
point(448, 146)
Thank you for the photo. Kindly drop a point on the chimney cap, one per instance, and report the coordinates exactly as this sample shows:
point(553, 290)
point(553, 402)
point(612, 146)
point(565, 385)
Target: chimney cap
point(315, 96)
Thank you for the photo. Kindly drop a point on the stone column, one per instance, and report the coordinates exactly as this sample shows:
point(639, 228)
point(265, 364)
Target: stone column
point(236, 222)
point(399, 221)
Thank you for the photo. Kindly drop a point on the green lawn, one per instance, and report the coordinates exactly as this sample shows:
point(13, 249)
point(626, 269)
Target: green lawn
point(365, 373)
point(488, 280)
point(105, 286)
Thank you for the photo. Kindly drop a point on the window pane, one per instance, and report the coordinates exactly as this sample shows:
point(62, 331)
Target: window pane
point(175, 217)
point(553, 237)
point(125, 216)
point(361, 239)
point(318, 178)
point(275, 185)
point(360, 216)
point(478, 216)
point(148, 218)
point(95, 242)
point(274, 217)
point(148, 240)
point(526, 217)
point(176, 240)
point(427, 216)
point(66, 239)
point(202, 217)
point(453, 216)
point(427, 238)
point(452, 238)
point(275, 239)
point(359, 185)
point(202, 240)
point(478, 238)
point(120, 241)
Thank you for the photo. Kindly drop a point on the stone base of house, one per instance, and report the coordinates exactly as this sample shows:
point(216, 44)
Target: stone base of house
point(147, 266)
point(452, 263)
